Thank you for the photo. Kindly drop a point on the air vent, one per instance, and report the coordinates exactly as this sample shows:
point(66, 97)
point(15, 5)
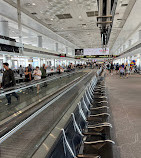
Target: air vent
point(29, 4)
point(92, 13)
point(34, 13)
point(124, 5)
point(70, 27)
point(64, 16)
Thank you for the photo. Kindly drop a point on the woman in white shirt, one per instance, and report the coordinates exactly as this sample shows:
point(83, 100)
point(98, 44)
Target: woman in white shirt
point(37, 76)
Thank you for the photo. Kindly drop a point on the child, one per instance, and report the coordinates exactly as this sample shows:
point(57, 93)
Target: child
point(121, 70)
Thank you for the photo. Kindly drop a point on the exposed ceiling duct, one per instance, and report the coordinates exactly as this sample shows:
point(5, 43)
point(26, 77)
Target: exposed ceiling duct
point(105, 18)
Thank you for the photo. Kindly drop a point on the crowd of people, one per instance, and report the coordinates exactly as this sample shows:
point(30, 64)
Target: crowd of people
point(124, 70)
point(28, 73)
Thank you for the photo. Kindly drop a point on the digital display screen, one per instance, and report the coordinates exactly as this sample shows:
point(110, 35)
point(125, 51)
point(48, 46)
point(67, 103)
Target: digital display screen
point(96, 51)
point(79, 52)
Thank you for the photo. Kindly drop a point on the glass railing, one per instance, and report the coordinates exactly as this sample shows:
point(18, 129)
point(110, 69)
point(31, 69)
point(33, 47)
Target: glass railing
point(25, 137)
point(33, 93)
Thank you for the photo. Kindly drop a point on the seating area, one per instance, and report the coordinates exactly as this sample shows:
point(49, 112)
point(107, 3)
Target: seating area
point(87, 134)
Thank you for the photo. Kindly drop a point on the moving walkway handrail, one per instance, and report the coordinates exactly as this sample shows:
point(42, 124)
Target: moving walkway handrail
point(16, 89)
point(23, 123)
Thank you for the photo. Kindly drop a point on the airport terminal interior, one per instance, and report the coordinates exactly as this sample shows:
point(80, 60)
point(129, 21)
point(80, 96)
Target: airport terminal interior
point(70, 79)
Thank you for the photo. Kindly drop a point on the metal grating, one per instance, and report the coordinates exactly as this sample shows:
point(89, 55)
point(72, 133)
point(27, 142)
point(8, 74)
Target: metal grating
point(92, 13)
point(64, 16)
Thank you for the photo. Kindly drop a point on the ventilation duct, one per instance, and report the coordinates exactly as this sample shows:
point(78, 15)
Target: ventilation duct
point(105, 18)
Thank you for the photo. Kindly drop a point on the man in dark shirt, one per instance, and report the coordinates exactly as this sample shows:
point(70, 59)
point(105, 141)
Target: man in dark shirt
point(43, 70)
point(8, 80)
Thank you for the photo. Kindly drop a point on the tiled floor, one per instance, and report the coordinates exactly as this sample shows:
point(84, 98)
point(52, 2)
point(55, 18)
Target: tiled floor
point(125, 101)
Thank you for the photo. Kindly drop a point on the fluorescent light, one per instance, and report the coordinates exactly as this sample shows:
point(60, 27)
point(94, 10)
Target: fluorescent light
point(33, 4)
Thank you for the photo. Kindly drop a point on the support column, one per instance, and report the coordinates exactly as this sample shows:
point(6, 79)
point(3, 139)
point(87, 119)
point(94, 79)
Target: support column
point(56, 46)
point(19, 23)
point(139, 34)
point(7, 59)
point(66, 50)
point(19, 20)
point(100, 13)
point(123, 47)
point(40, 41)
point(4, 58)
point(130, 43)
point(4, 29)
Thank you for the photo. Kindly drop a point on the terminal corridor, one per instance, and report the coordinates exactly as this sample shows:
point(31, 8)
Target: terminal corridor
point(125, 103)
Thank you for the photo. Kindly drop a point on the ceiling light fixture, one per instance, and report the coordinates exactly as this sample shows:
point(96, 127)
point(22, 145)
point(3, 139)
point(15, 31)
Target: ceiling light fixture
point(33, 4)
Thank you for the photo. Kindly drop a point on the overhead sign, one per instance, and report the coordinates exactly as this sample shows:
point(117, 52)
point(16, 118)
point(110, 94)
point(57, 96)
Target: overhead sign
point(79, 52)
point(96, 56)
point(96, 51)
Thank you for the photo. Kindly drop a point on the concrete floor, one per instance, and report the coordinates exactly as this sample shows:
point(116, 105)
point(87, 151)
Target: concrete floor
point(125, 102)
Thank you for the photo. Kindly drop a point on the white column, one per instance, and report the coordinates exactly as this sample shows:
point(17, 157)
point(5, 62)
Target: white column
point(56, 46)
point(40, 41)
point(66, 50)
point(130, 43)
point(139, 34)
point(4, 58)
point(19, 20)
point(4, 28)
point(123, 47)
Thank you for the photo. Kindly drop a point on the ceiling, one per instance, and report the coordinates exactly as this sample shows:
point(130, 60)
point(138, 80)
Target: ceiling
point(122, 24)
point(68, 18)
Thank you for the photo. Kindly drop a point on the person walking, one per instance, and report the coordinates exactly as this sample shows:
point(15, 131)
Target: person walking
point(122, 71)
point(8, 80)
point(37, 76)
point(30, 68)
point(59, 69)
point(21, 71)
point(27, 75)
point(43, 71)
point(117, 68)
point(111, 68)
point(127, 70)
